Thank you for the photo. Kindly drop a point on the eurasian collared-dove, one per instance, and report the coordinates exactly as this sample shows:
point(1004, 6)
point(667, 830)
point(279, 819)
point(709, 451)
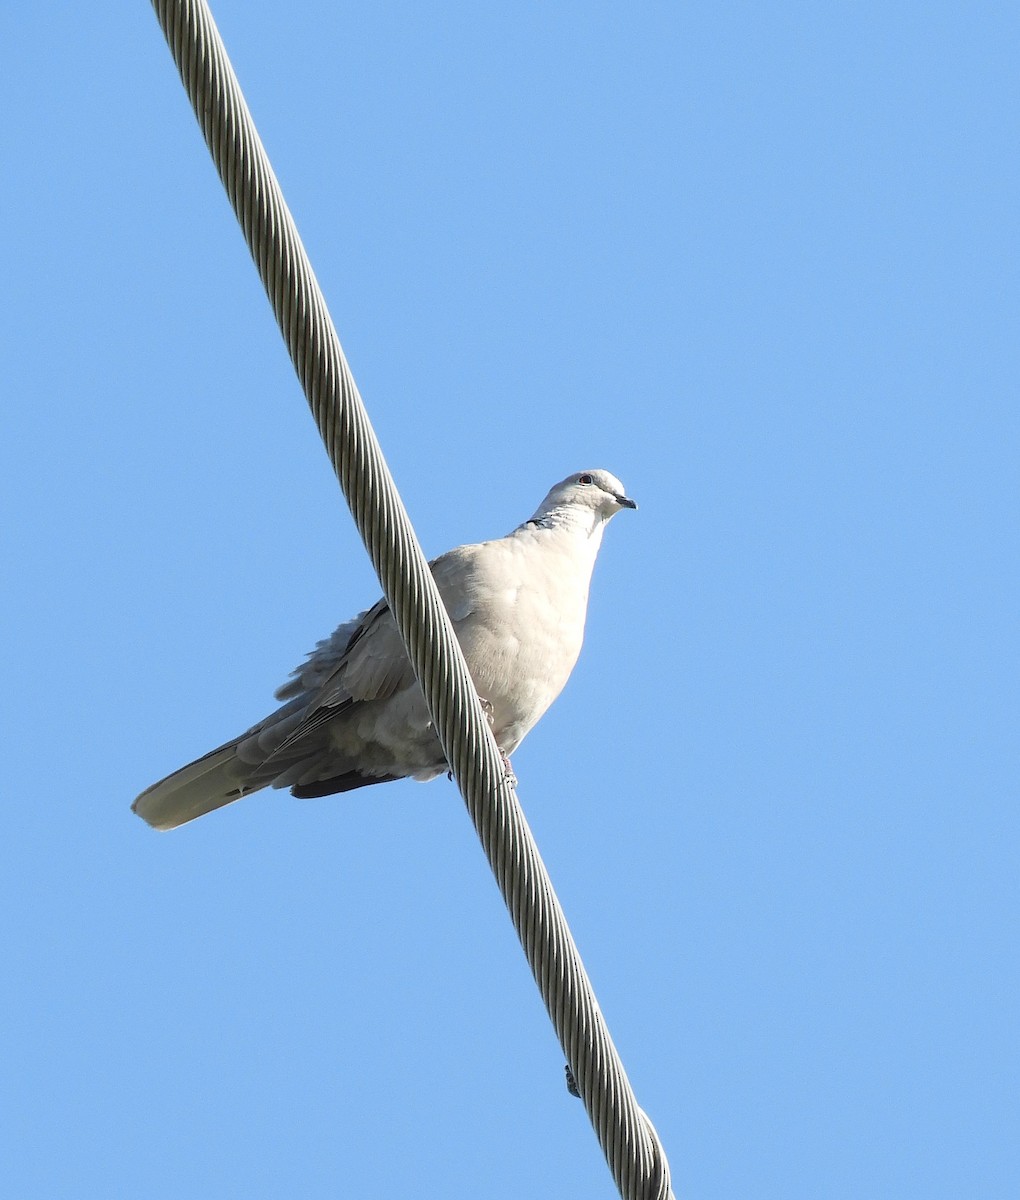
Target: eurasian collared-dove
point(354, 713)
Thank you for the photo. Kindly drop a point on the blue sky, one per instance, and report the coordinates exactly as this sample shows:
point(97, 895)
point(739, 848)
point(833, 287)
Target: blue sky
point(758, 261)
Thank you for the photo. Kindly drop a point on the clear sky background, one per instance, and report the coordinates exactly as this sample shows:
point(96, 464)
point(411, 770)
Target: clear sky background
point(760, 261)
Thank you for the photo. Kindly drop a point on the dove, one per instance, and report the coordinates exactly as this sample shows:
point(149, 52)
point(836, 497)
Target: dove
point(353, 713)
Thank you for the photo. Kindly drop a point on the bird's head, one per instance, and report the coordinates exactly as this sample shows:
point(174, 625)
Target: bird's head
point(596, 494)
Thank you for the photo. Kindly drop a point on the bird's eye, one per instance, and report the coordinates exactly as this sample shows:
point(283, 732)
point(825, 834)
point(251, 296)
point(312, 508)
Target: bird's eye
point(585, 479)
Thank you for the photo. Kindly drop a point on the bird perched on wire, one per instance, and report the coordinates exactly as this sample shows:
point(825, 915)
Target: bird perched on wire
point(353, 713)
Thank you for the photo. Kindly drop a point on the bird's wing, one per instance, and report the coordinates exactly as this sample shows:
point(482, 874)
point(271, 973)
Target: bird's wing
point(362, 659)
point(365, 659)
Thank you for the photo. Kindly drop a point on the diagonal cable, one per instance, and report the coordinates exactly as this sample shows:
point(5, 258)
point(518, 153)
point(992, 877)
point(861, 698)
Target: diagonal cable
point(632, 1149)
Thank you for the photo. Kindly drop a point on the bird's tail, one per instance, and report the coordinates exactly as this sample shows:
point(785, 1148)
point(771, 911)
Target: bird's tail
point(210, 782)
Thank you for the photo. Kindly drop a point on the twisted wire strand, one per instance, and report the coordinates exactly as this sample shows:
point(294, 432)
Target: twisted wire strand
point(629, 1142)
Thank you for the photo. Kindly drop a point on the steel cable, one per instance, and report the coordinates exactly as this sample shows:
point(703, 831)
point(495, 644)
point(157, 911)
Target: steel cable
point(630, 1144)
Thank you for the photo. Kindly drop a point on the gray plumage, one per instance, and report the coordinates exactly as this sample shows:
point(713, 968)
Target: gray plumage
point(353, 713)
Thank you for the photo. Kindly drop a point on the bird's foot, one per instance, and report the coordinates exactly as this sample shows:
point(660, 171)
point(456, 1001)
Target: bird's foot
point(509, 778)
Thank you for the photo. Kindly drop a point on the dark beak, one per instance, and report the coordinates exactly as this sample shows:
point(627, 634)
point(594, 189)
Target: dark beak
point(626, 502)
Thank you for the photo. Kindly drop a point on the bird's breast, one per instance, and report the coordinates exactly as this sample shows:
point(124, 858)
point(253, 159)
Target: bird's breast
point(522, 635)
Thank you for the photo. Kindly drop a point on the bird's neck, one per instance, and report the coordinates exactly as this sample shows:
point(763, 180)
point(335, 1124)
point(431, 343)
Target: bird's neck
point(569, 522)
